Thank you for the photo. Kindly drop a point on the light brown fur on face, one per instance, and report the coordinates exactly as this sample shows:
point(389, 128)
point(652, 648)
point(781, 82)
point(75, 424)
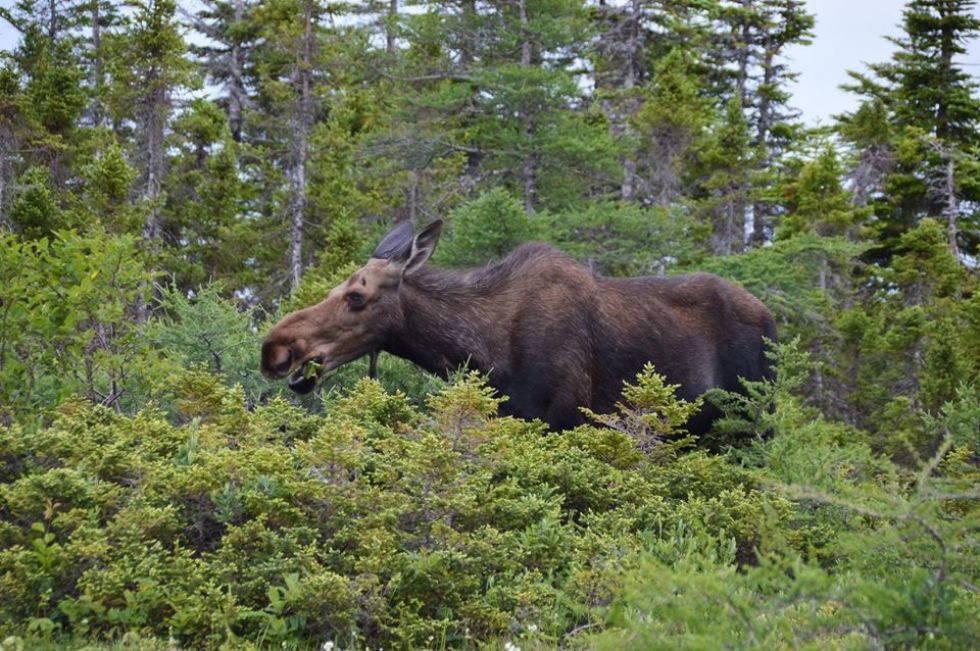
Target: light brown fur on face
point(339, 329)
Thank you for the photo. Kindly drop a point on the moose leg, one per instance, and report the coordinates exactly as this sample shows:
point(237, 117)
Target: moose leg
point(548, 396)
point(563, 412)
point(559, 409)
point(524, 400)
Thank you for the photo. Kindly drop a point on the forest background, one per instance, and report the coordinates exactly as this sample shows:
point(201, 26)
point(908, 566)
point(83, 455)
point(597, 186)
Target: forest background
point(175, 177)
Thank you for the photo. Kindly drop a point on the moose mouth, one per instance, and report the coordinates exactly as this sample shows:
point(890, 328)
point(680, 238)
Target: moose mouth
point(305, 377)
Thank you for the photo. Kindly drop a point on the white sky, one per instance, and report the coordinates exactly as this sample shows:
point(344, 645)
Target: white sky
point(848, 34)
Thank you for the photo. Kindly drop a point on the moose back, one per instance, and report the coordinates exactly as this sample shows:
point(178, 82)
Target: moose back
point(546, 331)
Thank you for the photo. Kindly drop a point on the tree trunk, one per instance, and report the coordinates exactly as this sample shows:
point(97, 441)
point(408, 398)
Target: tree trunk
point(628, 189)
point(390, 27)
point(728, 234)
point(98, 74)
point(761, 210)
point(3, 181)
point(155, 113)
point(526, 42)
point(622, 50)
point(466, 48)
point(952, 205)
point(302, 120)
point(947, 48)
point(8, 147)
point(155, 116)
point(529, 172)
point(742, 57)
point(297, 210)
point(52, 20)
point(236, 91)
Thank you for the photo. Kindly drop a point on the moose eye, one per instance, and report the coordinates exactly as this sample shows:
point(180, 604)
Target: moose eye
point(355, 300)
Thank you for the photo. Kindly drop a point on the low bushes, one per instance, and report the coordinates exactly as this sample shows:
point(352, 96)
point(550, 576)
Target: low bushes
point(377, 523)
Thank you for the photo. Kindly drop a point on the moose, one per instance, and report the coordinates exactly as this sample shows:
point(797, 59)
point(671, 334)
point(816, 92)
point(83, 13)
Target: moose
point(547, 332)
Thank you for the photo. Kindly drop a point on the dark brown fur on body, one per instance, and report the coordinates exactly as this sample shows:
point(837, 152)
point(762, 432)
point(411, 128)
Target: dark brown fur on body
point(548, 333)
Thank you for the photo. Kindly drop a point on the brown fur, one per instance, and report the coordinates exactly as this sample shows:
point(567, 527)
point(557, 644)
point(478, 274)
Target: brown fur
point(548, 333)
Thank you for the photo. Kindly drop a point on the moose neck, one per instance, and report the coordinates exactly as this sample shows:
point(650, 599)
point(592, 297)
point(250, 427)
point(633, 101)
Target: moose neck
point(446, 322)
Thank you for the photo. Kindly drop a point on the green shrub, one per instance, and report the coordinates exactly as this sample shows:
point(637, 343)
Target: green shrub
point(374, 520)
point(210, 331)
point(66, 322)
point(853, 552)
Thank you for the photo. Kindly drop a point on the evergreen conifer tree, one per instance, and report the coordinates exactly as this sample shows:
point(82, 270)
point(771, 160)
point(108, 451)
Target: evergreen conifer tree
point(148, 67)
point(933, 109)
point(489, 88)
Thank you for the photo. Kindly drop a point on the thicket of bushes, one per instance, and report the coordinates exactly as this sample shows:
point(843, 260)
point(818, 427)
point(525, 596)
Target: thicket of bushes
point(156, 492)
point(377, 523)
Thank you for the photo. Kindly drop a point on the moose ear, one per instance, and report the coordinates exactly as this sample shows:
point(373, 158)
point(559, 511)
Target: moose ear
point(396, 245)
point(423, 246)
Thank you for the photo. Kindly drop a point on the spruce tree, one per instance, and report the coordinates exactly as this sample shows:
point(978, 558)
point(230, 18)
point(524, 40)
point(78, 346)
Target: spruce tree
point(45, 89)
point(148, 68)
point(932, 91)
point(669, 127)
point(868, 134)
point(648, 54)
point(226, 56)
point(488, 89)
point(747, 57)
point(207, 201)
point(726, 161)
point(932, 107)
point(787, 22)
point(291, 76)
point(731, 47)
point(816, 199)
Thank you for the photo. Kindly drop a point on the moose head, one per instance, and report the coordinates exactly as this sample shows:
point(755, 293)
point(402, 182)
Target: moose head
point(355, 317)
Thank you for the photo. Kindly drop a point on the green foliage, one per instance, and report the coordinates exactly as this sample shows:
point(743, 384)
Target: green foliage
point(486, 229)
point(371, 522)
point(35, 212)
point(817, 201)
point(649, 413)
point(901, 561)
point(793, 277)
point(623, 239)
point(761, 406)
point(726, 160)
point(671, 125)
point(908, 344)
point(918, 123)
point(206, 194)
point(209, 331)
point(65, 321)
point(109, 179)
point(494, 83)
